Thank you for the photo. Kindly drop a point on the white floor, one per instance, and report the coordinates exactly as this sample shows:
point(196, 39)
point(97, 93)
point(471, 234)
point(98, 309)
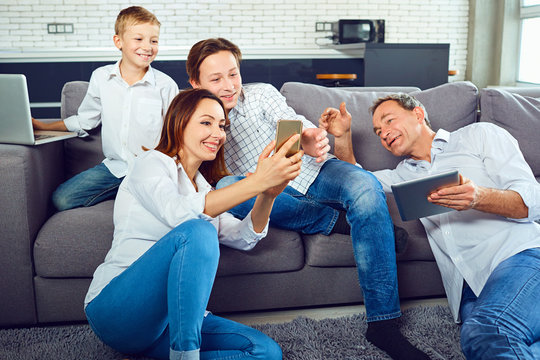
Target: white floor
point(281, 316)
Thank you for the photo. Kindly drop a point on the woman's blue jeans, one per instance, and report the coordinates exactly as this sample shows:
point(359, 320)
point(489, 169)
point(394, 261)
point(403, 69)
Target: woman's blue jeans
point(87, 188)
point(343, 186)
point(156, 306)
point(504, 321)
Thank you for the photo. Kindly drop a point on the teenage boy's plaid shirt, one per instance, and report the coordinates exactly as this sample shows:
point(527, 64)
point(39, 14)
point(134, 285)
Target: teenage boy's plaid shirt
point(253, 126)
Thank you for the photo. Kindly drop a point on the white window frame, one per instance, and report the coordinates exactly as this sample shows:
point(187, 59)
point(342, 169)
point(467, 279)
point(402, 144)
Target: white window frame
point(526, 12)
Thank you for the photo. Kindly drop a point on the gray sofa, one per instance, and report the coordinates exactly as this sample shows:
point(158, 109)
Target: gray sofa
point(47, 258)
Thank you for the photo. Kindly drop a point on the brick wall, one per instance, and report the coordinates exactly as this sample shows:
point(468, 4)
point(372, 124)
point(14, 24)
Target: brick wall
point(274, 24)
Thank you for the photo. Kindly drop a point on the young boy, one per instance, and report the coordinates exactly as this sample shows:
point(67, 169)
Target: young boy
point(129, 100)
point(314, 200)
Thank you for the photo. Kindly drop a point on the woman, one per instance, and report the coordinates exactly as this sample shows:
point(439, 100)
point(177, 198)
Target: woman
point(150, 294)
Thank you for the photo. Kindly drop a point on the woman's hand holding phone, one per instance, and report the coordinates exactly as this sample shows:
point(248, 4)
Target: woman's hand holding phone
point(272, 175)
point(274, 172)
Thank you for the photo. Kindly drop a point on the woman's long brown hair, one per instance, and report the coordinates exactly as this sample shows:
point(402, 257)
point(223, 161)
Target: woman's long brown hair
point(178, 115)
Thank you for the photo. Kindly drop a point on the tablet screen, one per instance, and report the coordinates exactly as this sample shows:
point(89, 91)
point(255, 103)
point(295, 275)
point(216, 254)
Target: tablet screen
point(411, 195)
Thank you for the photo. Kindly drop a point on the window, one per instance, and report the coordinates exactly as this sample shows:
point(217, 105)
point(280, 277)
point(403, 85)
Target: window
point(529, 59)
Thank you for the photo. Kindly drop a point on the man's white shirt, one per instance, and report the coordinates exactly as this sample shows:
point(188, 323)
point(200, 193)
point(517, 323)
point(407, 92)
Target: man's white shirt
point(468, 245)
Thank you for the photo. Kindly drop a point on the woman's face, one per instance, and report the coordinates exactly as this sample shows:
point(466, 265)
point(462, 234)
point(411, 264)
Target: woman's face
point(204, 133)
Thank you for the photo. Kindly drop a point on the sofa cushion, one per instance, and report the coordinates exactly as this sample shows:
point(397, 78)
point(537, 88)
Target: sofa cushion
point(72, 95)
point(279, 251)
point(74, 242)
point(336, 249)
point(80, 153)
point(518, 114)
point(450, 106)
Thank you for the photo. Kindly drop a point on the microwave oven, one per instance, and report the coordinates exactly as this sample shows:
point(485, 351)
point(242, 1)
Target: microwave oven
point(357, 31)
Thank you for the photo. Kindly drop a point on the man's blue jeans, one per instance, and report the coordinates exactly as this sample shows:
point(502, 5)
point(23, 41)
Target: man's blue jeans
point(504, 321)
point(86, 188)
point(343, 186)
point(156, 306)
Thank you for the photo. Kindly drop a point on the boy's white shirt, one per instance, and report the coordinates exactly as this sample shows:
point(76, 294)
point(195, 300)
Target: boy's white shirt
point(130, 116)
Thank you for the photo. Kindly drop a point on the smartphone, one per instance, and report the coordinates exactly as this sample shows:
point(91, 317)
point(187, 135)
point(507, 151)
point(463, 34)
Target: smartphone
point(286, 129)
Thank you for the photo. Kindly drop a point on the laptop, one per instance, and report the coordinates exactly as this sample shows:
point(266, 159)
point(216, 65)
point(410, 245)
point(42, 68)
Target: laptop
point(411, 195)
point(15, 116)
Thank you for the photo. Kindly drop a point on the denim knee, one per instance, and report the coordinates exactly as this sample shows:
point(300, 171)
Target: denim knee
point(228, 180)
point(193, 231)
point(268, 350)
point(481, 338)
point(60, 202)
point(368, 196)
point(373, 185)
point(468, 337)
point(62, 198)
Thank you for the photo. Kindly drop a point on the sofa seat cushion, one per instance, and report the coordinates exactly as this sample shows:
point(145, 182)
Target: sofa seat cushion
point(279, 251)
point(519, 115)
point(336, 250)
point(73, 243)
point(449, 106)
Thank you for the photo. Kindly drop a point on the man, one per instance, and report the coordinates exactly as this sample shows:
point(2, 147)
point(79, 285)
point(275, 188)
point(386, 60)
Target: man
point(313, 201)
point(488, 251)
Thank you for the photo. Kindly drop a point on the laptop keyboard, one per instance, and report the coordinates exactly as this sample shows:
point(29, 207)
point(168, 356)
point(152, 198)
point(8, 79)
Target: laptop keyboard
point(42, 136)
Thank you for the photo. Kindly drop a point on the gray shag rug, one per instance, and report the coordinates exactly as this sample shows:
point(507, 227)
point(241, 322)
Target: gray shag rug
point(430, 328)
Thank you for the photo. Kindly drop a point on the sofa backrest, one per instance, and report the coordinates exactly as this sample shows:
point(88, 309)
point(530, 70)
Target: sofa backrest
point(518, 114)
point(80, 153)
point(72, 95)
point(449, 106)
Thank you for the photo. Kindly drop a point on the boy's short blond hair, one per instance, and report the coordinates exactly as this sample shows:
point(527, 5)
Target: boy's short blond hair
point(133, 15)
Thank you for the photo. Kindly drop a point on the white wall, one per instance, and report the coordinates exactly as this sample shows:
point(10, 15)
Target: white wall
point(251, 24)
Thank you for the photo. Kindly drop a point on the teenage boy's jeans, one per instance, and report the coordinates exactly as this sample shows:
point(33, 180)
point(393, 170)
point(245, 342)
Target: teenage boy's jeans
point(86, 188)
point(503, 322)
point(156, 306)
point(343, 186)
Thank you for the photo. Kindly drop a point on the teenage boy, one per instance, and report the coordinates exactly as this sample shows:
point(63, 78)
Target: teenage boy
point(129, 100)
point(489, 250)
point(313, 201)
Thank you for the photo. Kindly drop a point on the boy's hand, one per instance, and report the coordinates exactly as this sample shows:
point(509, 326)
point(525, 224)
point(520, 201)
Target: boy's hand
point(336, 122)
point(52, 126)
point(38, 125)
point(315, 143)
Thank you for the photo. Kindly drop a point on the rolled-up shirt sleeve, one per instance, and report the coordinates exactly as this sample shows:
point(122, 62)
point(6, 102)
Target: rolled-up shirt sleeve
point(239, 234)
point(505, 163)
point(162, 188)
point(530, 193)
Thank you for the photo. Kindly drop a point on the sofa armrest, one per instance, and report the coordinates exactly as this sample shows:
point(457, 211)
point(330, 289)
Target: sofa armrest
point(29, 175)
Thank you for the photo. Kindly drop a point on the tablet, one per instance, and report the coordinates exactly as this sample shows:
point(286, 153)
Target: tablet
point(411, 196)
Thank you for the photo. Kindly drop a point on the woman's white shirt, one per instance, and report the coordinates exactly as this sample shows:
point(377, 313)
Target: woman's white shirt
point(154, 198)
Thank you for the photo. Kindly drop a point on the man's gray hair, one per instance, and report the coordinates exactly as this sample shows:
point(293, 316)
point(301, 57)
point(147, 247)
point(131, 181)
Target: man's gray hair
point(406, 101)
